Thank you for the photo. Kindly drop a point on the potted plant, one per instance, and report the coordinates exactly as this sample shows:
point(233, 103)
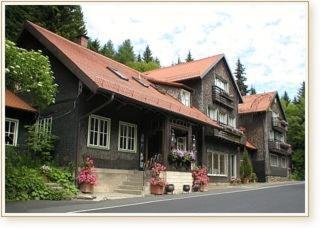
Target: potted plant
point(157, 184)
point(245, 168)
point(87, 178)
point(253, 178)
point(200, 178)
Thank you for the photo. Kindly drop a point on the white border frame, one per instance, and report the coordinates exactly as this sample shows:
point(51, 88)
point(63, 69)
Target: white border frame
point(108, 120)
point(135, 141)
point(226, 155)
point(16, 131)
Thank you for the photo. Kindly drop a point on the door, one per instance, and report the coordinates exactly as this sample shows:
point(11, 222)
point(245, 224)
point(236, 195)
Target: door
point(233, 165)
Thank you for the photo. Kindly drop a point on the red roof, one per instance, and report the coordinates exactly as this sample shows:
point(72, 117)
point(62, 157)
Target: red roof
point(250, 145)
point(91, 67)
point(257, 102)
point(13, 101)
point(183, 71)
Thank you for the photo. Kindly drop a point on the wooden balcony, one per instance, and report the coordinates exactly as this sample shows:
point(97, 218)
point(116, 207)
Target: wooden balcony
point(221, 97)
point(279, 147)
point(230, 134)
point(279, 125)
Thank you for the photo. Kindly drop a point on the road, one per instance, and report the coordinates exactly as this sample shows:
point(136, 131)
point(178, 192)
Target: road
point(280, 198)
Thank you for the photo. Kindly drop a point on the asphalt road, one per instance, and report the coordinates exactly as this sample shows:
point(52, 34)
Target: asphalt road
point(282, 198)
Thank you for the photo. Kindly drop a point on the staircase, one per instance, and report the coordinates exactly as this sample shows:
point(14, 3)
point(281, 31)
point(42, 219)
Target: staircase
point(54, 186)
point(133, 184)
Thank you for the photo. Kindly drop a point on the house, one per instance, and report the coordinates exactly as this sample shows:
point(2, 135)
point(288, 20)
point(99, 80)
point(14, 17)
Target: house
point(208, 85)
point(18, 114)
point(266, 126)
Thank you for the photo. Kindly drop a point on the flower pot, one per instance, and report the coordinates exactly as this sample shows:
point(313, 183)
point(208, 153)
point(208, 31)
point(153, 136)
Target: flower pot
point(196, 188)
point(156, 189)
point(186, 188)
point(201, 188)
point(86, 188)
point(245, 180)
point(169, 188)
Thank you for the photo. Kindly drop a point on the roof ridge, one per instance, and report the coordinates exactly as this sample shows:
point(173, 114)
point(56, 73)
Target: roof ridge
point(85, 48)
point(197, 60)
point(251, 95)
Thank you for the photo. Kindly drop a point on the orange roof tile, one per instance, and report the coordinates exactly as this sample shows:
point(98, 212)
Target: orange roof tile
point(13, 101)
point(184, 71)
point(91, 67)
point(250, 145)
point(257, 102)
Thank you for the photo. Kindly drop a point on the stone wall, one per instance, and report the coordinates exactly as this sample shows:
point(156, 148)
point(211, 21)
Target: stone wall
point(276, 179)
point(179, 179)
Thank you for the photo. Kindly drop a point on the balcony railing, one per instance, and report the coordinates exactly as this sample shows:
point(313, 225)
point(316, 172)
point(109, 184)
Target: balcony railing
point(230, 135)
point(279, 147)
point(222, 97)
point(278, 124)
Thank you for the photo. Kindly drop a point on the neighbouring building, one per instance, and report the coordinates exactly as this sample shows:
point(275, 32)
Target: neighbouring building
point(18, 114)
point(266, 127)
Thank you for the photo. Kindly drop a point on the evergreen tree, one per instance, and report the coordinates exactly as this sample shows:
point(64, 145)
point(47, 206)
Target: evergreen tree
point(241, 78)
point(108, 50)
point(147, 55)
point(65, 20)
point(252, 91)
point(245, 166)
point(94, 45)
point(285, 100)
point(125, 52)
point(157, 61)
point(189, 57)
point(179, 60)
point(139, 58)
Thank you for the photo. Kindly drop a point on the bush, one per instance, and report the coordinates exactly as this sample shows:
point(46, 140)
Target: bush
point(246, 166)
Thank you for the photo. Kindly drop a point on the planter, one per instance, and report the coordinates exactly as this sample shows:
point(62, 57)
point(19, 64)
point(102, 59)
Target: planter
point(86, 188)
point(196, 187)
point(186, 188)
point(157, 189)
point(201, 188)
point(169, 188)
point(245, 180)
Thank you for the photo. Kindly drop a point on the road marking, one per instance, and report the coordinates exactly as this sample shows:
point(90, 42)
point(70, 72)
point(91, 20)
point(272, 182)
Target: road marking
point(180, 198)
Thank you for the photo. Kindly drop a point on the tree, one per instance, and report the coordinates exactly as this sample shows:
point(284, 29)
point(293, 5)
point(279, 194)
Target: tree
point(139, 58)
point(157, 61)
point(108, 50)
point(125, 53)
point(241, 78)
point(179, 60)
point(94, 45)
point(143, 66)
point(65, 20)
point(147, 55)
point(29, 73)
point(245, 166)
point(285, 100)
point(252, 91)
point(189, 57)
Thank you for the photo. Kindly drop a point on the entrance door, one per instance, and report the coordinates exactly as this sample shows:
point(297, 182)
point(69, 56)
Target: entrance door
point(233, 165)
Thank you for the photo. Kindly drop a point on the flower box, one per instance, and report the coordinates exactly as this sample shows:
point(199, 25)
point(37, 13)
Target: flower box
point(157, 189)
point(86, 188)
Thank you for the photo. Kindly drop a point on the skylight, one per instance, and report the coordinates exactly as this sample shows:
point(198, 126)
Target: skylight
point(118, 73)
point(141, 81)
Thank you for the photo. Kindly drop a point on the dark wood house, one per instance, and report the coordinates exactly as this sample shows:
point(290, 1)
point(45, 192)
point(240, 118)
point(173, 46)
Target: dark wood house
point(208, 85)
point(265, 122)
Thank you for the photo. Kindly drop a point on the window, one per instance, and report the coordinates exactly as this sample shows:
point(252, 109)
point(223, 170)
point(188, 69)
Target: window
point(182, 143)
point(217, 164)
point(223, 118)
point(11, 131)
point(185, 97)
point(127, 137)
point(213, 113)
point(222, 85)
point(99, 132)
point(283, 162)
point(232, 121)
point(118, 73)
point(274, 160)
point(44, 125)
point(278, 137)
point(271, 135)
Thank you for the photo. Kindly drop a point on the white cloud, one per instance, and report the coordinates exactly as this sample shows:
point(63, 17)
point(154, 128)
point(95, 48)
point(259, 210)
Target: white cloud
point(269, 38)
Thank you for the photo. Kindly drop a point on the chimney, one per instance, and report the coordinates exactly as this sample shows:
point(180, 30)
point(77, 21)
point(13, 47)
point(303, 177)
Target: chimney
point(82, 40)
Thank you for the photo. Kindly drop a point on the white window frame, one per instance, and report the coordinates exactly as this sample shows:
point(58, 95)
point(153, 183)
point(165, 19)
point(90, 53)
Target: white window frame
point(185, 97)
point(271, 135)
point(44, 124)
point(182, 144)
point(233, 122)
point(15, 131)
point(212, 113)
point(221, 84)
point(283, 162)
point(99, 119)
point(276, 158)
point(122, 123)
point(226, 163)
point(226, 118)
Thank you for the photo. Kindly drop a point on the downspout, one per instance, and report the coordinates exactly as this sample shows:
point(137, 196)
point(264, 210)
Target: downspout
point(79, 119)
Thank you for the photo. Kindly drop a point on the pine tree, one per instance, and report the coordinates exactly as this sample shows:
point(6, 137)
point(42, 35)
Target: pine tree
point(125, 52)
point(139, 58)
point(241, 78)
point(179, 60)
point(157, 61)
point(252, 91)
point(65, 20)
point(94, 45)
point(147, 55)
point(189, 57)
point(108, 50)
point(245, 166)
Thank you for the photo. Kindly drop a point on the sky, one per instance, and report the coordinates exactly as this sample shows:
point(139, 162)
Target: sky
point(269, 38)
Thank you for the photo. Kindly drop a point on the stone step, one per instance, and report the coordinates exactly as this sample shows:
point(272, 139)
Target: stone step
point(128, 191)
point(133, 187)
point(134, 183)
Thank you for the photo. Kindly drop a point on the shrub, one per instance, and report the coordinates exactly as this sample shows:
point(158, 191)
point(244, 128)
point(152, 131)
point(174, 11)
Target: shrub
point(155, 179)
point(246, 166)
point(87, 173)
point(200, 176)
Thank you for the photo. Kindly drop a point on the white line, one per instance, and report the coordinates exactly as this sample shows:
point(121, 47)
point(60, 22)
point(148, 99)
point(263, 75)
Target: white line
point(187, 197)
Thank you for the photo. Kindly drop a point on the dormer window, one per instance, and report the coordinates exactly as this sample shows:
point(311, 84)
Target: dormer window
point(221, 84)
point(118, 73)
point(185, 97)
